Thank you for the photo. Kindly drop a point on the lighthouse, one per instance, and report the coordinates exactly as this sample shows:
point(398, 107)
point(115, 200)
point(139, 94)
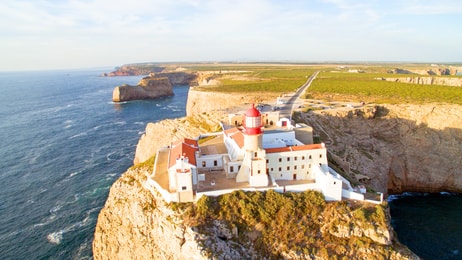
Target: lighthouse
point(253, 168)
point(252, 130)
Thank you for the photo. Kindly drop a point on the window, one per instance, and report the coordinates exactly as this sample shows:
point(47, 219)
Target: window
point(303, 157)
point(288, 168)
point(280, 169)
point(288, 158)
point(309, 165)
point(203, 164)
point(303, 166)
point(295, 167)
point(255, 154)
point(215, 163)
point(267, 161)
point(183, 188)
point(258, 171)
point(280, 159)
point(309, 157)
point(271, 169)
point(295, 158)
point(320, 156)
point(231, 168)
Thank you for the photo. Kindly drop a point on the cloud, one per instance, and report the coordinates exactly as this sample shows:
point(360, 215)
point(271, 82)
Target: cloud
point(114, 31)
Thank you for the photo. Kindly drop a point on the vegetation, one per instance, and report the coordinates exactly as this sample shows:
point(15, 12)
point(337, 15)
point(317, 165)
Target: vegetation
point(202, 123)
point(301, 223)
point(366, 87)
point(146, 165)
point(262, 79)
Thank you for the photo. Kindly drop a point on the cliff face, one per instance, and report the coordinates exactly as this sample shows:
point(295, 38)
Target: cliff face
point(147, 88)
point(134, 70)
point(164, 132)
point(396, 148)
point(200, 101)
point(136, 223)
point(445, 81)
point(177, 78)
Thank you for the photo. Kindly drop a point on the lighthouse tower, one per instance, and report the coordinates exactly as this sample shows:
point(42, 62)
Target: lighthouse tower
point(253, 168)
point(252, 129)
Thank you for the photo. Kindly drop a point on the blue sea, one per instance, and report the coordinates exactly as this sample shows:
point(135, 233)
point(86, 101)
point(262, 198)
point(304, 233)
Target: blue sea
point(63, 144)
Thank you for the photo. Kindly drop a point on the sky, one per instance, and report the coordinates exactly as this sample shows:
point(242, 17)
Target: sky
point(64, 34)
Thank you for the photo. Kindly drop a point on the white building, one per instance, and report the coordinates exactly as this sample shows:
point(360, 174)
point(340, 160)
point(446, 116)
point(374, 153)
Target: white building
point(257, 156)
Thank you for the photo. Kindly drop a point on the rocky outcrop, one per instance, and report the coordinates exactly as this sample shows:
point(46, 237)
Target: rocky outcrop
point(441, 71)
point(134, 70)
point(395, 148)
point(177, 78)
point(135, 223)
point(445, 81)
point(164, 132)
point(147, 88)
point(201, 100)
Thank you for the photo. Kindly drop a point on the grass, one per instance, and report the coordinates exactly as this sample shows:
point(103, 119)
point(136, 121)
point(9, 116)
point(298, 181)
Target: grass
point(365, 86)
point(261, 79)
point(146, 165)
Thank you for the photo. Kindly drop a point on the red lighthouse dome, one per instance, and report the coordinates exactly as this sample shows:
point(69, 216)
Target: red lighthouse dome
point(252, 121)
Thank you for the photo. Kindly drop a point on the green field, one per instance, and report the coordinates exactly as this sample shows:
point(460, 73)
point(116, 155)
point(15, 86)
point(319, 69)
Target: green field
point(260, 79)
point(365, 87)
point(333, 85)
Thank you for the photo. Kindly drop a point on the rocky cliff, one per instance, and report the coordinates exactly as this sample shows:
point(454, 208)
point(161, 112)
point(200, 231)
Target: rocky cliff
point(395, 148)
point(164, 132)
point(134, 70)
point(201, 100)
point(177, 78)
point(147, 88)
point(136, 223)
point(428, 71)
point(445, 81)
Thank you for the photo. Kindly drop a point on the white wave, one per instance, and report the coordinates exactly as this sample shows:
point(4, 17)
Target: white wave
point(74, 173)
point(117, 103)
point(78, 135)
point(55, 209)
point(109, 155)
point(97, 127)
point(57, 237)
point(138, 123)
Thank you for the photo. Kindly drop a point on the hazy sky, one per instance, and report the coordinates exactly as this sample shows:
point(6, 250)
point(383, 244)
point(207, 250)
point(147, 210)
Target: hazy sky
point(51, 34)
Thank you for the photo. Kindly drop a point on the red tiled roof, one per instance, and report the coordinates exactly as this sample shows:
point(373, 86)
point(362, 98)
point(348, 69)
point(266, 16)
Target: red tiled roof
point(294, 148)
point(236, 134)
point(187, 148)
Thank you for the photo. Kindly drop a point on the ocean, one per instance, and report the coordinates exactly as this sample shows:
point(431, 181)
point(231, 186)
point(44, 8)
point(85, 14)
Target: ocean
point(63, 144)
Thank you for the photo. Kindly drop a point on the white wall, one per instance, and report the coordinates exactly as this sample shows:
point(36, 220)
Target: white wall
point(301, 159)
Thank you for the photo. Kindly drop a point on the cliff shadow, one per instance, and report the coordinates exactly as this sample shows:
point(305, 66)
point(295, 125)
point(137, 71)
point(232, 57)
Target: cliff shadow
point(374, 146)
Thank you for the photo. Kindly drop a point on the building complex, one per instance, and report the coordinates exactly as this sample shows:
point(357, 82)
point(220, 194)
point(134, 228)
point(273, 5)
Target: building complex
point(255, 151)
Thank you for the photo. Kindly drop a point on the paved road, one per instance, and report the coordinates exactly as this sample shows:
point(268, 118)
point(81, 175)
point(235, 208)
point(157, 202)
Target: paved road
point(293, 100)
